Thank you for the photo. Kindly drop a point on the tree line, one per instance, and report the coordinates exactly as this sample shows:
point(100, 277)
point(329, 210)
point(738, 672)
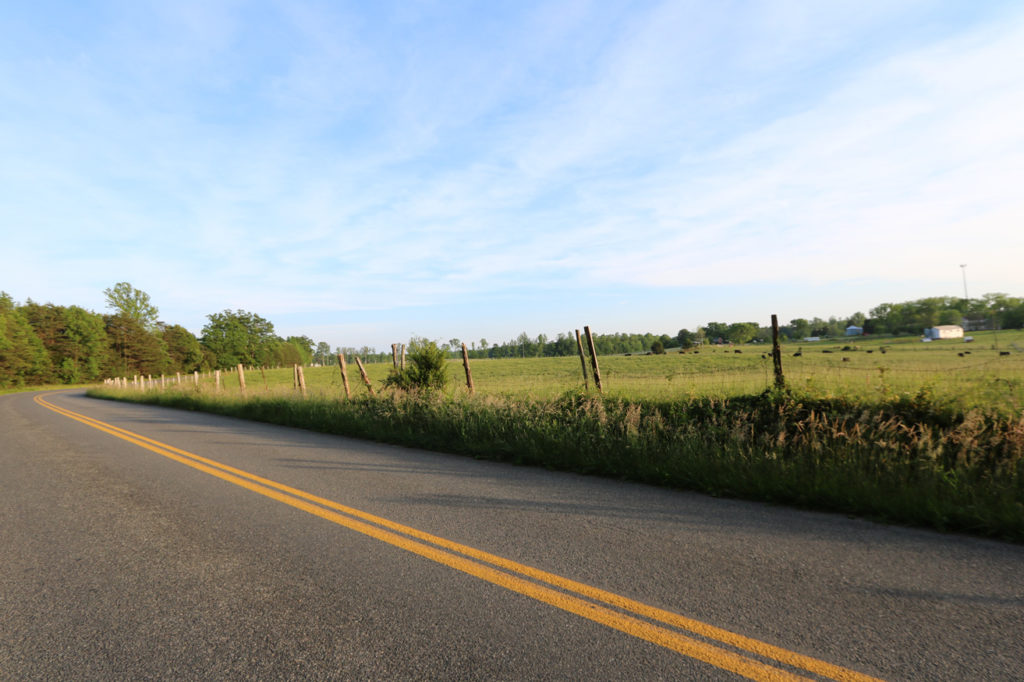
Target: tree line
point(991, 311)
point(47, 343)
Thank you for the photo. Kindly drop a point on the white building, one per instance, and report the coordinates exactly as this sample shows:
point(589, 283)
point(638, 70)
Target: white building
point(854, 330)
point(944, 331)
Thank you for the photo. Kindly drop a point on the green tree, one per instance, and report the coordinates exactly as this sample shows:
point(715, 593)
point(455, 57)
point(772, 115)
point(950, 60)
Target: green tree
point(715, 331)
point(658, 348)
point(239, 337)
point(286, 354)
point(132, 303)
point(949, 317)
point(305, 346)
point(686, 339)
point(323, 354)
point(798, 328)
point(183, 348)
point(741, 332)
point(23, 357)
point(84, 346)
point(133, 349)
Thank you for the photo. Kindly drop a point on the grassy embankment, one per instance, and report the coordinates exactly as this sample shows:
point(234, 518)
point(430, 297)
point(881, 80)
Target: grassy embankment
point(847, 438)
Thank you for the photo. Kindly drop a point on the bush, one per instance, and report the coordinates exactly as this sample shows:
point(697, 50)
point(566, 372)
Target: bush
point(425, 371)
point(658, 348)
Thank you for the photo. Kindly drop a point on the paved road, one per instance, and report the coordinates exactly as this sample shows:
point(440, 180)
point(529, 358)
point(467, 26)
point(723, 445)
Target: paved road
point(123, 558)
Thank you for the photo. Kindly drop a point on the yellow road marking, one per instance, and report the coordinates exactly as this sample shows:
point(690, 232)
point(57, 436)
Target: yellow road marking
point(670, 639)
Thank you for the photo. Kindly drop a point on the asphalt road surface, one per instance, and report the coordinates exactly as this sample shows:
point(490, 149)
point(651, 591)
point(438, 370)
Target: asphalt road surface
point(144, 543)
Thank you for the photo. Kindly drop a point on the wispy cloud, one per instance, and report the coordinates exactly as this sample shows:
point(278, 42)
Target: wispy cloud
point(326, 159)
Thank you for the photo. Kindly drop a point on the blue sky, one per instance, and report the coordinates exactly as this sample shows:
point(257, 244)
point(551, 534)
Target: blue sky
point(362, 172)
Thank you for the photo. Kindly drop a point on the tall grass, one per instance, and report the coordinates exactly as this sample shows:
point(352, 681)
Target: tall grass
point(908, 459)
point(964, 376)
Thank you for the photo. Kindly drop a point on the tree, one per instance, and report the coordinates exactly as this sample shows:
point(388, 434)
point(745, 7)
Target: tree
point(716, 331)
point(741, 332)
point(183, 348)
point(686, 338)
point(23, 357)
point(658, 348)
point(323, 354)
point(133, 349)
point(285, 354)
point(799, 328)
point(239, 337)
point(306, 347)
point(129, 302)
point(84, 346)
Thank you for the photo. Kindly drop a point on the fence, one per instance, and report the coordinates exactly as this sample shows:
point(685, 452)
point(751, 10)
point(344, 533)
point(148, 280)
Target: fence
point(972, 374)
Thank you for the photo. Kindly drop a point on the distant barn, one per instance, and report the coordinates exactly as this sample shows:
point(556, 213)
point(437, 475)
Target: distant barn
point(944, 331)
point(854, 330)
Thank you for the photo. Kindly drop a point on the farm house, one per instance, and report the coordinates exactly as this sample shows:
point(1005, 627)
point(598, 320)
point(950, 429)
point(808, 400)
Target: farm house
point(944, 331)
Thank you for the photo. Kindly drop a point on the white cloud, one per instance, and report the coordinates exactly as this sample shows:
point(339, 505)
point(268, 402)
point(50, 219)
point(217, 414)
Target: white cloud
point(352, 159)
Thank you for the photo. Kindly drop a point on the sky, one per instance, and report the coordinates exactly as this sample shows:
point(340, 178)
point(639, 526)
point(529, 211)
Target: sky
point(362, 172)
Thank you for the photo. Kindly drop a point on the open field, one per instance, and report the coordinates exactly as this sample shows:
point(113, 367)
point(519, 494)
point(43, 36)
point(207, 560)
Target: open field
point(921, 433)
point(870, 368)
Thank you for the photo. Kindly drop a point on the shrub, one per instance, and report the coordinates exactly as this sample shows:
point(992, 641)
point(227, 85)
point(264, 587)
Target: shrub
point(425, 371)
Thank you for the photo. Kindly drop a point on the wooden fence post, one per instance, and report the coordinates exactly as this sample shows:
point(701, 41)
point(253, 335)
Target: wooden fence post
point(241, 379)
point(195, 378)
point(302, 379)
point(366, 379)
point(469, 375)
point(344, 375)
point(402, 365)
point(593, 359)
point(394, 355)
point(583, 360)
point(780, 381)
point(216, 380)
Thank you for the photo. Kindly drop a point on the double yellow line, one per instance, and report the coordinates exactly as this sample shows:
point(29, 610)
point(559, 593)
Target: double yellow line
point(613, 610)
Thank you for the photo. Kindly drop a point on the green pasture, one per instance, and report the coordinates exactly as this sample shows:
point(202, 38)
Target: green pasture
point(929, 434)
point(952, 372)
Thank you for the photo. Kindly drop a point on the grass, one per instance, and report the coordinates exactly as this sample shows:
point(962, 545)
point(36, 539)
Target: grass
point(917, 435)
point(44, 387)
point(979, 379)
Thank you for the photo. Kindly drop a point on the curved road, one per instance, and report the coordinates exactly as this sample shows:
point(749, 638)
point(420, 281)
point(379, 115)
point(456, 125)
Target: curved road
point(139, 542)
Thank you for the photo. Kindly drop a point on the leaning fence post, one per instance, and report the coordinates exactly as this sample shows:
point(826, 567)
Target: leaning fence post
point(241, 379)
point(366, 379)
point(302, 379)
point(780, 381)
point(583, 360)
point(469, 375)
point(344, 375)
point(593, 360)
